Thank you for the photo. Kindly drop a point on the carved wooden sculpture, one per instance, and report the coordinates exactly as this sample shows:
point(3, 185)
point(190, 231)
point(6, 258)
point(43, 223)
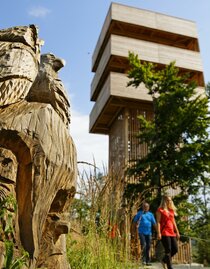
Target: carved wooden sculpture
point(35, 141)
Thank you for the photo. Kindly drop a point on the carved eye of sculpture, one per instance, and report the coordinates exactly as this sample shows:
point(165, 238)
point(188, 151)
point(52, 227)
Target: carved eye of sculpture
point(7, 57)
point(6, 161)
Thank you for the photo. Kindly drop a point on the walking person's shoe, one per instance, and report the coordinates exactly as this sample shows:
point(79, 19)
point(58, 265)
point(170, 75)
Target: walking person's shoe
point(142, 264)
point(164, 265)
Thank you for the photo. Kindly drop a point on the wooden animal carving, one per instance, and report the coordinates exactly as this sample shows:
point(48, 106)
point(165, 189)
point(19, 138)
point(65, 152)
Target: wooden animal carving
point(51, 87)
point(36, 147)
point(19, 54)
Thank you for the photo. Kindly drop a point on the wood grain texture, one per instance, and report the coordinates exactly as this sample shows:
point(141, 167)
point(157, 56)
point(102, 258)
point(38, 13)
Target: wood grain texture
point(113, 96)
point(36, 143)
point(143, 19)
point(147, 51)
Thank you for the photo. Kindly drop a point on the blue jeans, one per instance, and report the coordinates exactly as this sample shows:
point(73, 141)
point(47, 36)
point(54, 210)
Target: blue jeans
point(145, 241)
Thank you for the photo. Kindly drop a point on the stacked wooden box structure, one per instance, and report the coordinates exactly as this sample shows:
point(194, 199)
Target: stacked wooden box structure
point(156, 38)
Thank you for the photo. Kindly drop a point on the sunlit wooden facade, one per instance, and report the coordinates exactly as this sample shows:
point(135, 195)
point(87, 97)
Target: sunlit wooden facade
point(156, 38)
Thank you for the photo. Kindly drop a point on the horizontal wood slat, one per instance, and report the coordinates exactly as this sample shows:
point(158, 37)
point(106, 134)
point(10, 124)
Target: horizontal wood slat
point(144, 18)
point(115, 95)
point(147, 51)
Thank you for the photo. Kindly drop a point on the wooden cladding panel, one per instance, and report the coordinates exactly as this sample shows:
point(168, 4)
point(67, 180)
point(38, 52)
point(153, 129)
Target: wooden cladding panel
point(147, 51)
point(135, 149)
point(101, 67)
point(124, 145)
point(121, 65)
point(146, 34)
point(117, 142)
point(143, 18)
point(153, 20)
point(153, 35)
point(119, 88)
point(115, 85)
point(100, 104)
point(156, 53)
point(116, 95)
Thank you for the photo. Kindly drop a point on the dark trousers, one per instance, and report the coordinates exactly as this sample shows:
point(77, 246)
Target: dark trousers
point(145, 241)
point(170, 247)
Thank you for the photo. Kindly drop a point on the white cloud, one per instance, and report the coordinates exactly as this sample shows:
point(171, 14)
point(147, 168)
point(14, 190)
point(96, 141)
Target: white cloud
point(89, 147)
point(39, 12)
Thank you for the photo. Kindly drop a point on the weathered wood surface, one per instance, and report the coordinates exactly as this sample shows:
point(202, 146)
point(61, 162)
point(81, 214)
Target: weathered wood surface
point(115, 88)
point(144, 18)
point(19, 62)
point(35, 141)
point(48, 88)
point(147, 51)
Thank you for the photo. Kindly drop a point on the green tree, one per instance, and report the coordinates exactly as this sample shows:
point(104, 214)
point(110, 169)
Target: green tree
point(200, 221)
point(177, 137)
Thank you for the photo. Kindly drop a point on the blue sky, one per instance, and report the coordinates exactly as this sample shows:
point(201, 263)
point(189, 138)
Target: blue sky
point(70, 30)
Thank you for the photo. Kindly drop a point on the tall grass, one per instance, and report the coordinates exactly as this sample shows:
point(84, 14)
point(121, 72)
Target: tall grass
point(95, 250)
point(91, 245)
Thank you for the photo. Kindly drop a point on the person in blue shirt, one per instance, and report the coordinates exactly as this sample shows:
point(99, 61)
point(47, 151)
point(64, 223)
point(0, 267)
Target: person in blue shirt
point(145, 221)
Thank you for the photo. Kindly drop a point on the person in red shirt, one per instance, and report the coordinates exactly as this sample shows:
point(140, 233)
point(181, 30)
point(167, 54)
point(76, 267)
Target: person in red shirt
point(167, 230)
